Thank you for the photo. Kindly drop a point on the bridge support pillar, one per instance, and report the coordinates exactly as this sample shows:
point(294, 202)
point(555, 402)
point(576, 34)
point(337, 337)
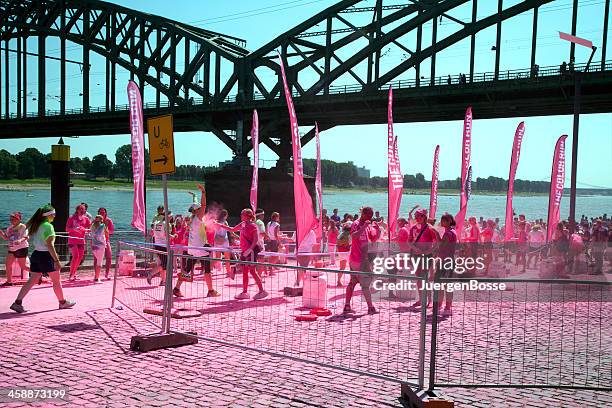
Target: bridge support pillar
point(60, 185)
point(230, 188)
point(241, 158)
point(285, 151)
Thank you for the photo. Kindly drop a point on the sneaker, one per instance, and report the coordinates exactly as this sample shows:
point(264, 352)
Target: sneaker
point(98, 280)
point(18, 308)
point(416, 306)
point(67, 304)
point(446, 312)
point(213, 293)
point(177, 292)
point(7, 284)
point(347, 310)
point(262, 294)
point(372, 310)
point(242, 295)
point(107, 276)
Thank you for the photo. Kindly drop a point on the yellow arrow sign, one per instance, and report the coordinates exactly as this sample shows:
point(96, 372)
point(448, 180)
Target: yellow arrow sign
point(161, 145)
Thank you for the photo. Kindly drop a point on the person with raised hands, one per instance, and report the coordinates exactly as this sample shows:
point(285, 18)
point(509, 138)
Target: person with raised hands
point(196, 247)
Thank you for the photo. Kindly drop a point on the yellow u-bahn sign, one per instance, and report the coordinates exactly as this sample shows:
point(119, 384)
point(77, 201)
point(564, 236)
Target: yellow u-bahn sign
point(161, 145)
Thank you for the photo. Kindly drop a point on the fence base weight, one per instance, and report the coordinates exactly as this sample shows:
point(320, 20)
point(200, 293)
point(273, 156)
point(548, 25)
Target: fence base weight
point(424, 399)
point(293, 292)
point(159, 341)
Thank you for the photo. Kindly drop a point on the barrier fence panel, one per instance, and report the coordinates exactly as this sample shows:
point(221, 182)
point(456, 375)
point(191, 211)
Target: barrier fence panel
point(387, 344)
point(130, 287)
point(536, 333)
point(540, 333)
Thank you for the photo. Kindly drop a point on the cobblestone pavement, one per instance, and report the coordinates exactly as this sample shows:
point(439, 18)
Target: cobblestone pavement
point(87, 351)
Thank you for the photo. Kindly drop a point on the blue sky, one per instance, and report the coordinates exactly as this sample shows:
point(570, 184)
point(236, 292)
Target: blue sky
point(261, 21)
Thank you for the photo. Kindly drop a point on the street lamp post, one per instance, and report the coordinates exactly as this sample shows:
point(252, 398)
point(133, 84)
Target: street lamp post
point(577, 101)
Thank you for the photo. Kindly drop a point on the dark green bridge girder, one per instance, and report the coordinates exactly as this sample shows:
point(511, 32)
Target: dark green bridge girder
point(202, 99)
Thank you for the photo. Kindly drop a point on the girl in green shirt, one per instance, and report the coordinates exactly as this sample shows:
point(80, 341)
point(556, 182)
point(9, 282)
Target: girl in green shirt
point(44, 259)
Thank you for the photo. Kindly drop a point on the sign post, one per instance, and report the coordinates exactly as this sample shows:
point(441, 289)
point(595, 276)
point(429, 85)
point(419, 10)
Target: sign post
point(161, 158)
point(161, 150)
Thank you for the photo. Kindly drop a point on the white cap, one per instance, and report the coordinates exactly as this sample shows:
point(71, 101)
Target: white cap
point(195, 206)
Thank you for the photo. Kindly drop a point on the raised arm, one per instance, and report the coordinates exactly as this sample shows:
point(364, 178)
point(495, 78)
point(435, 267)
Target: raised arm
point(228, 228)
point(412, 210)
point(203, 199)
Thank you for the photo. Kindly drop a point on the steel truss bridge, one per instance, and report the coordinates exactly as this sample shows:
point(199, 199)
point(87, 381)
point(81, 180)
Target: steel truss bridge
point(335, 65)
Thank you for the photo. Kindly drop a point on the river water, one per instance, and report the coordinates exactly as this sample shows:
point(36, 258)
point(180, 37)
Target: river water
point(119, 203)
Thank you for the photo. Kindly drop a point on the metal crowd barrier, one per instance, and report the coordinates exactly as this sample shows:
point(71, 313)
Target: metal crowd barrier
point(538, 333)
point(384, 345)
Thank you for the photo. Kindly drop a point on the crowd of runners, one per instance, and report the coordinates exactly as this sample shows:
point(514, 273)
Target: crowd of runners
point(349, 242)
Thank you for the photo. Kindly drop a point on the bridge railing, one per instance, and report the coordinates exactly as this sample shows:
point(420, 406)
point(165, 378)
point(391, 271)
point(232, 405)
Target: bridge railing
point(446, 80)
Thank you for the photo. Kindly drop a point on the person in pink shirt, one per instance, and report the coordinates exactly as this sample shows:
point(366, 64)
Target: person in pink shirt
point(403, 234)
point(474, 230)
point(422, 238)
point(446, 250)
point(472, 240)
point(521, 245)
point(77, 226)
point(249, 248)
point(487, 243)
point(332, 238)
point(363, 231)
point(108, 253)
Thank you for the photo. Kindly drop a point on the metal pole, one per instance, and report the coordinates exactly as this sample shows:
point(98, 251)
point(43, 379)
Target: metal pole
point(577, 101)
point(434, 338)
point(423, 294)
point(115, 277)
point(169, 270)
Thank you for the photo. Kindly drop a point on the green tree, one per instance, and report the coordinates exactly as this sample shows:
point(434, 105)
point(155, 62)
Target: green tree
point(86, 165)
point(32, 164)
point(123, 161)
point(9, 165)
point(101, 166)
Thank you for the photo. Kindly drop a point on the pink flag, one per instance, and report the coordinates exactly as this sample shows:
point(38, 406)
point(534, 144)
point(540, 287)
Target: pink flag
point(138, 162)
point(433, 195)
point(557, 181)
point(466, 152)
point(255, 141)
point(514, 161)
point(318, 184)
point(305, 219)
point(575, 40)
point(394, 173)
